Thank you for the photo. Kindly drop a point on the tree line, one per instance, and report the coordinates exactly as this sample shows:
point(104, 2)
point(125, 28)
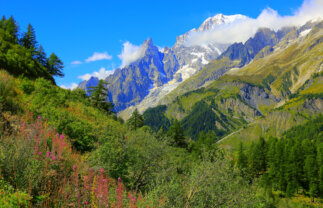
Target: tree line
point(292, 164)
point(21, 54)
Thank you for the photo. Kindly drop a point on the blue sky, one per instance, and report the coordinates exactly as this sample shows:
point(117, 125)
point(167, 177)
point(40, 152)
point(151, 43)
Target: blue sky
point(76, 30)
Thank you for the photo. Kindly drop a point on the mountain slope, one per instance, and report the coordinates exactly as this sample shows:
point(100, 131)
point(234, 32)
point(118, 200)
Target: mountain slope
point(144, 82)
point(249, 97)
point(236, 56)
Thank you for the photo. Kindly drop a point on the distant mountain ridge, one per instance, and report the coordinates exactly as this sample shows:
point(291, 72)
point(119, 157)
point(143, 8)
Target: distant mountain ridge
point(159, 72)
point(260, 88)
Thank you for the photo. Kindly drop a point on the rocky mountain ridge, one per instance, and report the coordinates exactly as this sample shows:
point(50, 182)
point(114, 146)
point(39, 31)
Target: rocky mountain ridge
point(262, 98)
point(144, 82)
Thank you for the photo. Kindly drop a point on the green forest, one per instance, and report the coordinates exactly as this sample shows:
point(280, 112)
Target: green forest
point(62, 148)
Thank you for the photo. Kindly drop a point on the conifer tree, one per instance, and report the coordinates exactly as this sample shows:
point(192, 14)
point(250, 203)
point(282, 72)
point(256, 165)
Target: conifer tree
point(311, 175)
point(41, 56)
point(29, 39)
point(177, 134)
point(99, 96)
point(242, 158)
point(11, 28)
point(320, 168)
point(135, 121)
point(257, 158)
point(55, 65)
point(291, 170)
point(3, 22)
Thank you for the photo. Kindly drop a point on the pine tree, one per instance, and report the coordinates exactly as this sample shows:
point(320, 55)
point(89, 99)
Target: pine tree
point(135, 121)
point(11, 28)
point(242, 158)
point(41, 56)
point(29, 39)
point(262, 149)
point(177, 135)
point(320, 170)
point(55, 65)
point(257, 158)
point(99, 96)
point(3, 22)
point(311, 175)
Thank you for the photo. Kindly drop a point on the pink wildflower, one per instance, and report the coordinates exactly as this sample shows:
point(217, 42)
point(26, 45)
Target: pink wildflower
point(48, 154)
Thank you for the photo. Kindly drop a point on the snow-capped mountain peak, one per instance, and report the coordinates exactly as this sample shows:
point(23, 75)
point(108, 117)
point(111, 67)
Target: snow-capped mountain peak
point(210, 24)
point(220, 19)
point(156, 72)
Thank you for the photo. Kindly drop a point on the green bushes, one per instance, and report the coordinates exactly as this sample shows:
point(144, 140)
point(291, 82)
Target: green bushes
point(68, 111)
point(27, 86)
point(11, 198)
point(39, 169)
point(8, 92)
point(138, 158)
point(208, 184)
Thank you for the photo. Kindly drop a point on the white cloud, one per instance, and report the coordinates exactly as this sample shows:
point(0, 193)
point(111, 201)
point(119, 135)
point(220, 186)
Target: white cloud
point(98, 56)
point(161, 49)
point(131, 53)
point(76, 62)
point(242, 30)
point(101, 74)
point(70, 86)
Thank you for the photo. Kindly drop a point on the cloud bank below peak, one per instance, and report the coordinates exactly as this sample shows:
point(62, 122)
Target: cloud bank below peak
point(131, 53)
point(70, 87)
point(101, 74)
point(242, 30)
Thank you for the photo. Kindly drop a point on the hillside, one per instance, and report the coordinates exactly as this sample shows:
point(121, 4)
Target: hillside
point(245, 131)
point(143, 83)
point(251, 94)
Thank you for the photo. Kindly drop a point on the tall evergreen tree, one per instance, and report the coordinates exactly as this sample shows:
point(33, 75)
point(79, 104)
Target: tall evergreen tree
point(11, 28)
point(242, 158)
point(28, 39)
point(257, 157)
point(291, 174)
point(311, 175)
point(135, 121)
point(99, 96)
point(320, 168)
point(41, 56)
point(177, 134)
point(55, 65)
point(3, 22)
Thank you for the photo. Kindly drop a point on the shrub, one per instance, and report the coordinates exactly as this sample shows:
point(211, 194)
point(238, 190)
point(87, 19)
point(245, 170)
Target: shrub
point(41, 163)
point(27, 86)
point(11, 198)
point(7, 92)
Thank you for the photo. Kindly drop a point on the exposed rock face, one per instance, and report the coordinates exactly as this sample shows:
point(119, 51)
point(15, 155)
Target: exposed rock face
point(129, 85)
point(85, 85)
point(239, 108)
point(157, 73)
point(151, 80)
point(197, 56)
point(246, 52)
point(256, 96)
